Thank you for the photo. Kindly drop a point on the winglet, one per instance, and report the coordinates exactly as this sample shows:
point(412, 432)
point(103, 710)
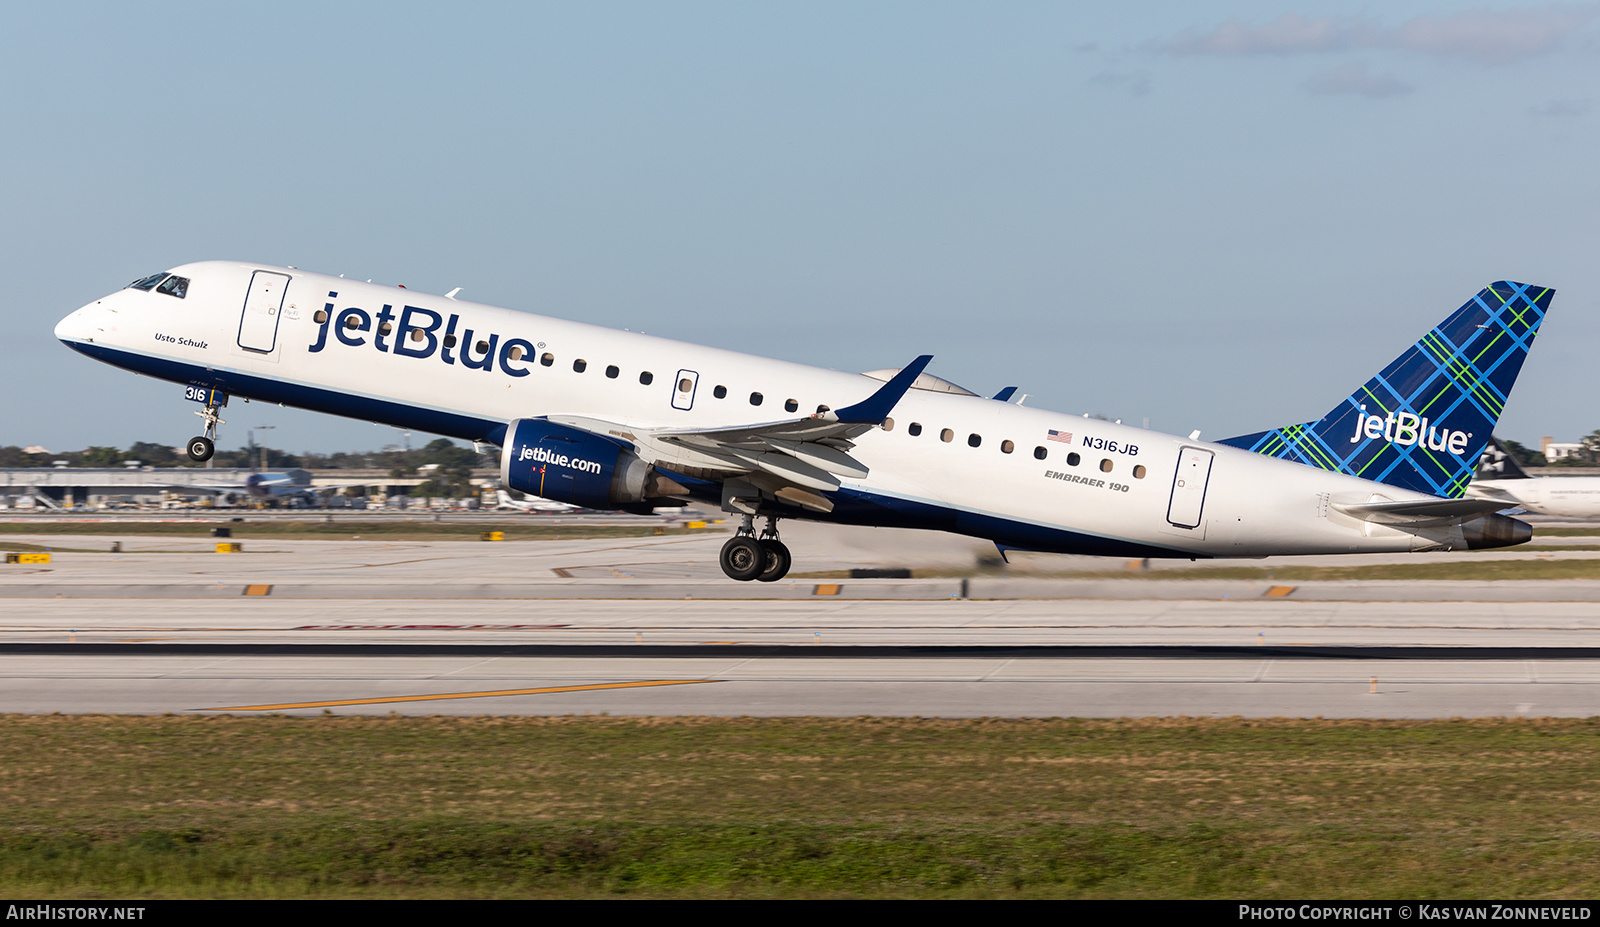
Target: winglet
point(875, 408)
point(1005, 394)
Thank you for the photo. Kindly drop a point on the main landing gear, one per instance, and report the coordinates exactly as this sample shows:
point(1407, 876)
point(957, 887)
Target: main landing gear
point(746, 557)
point(201, 447)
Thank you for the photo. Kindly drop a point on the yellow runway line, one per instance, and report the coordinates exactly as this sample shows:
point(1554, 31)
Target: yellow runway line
point(429, 698)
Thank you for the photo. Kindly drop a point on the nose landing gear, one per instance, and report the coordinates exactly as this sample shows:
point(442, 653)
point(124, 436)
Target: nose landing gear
point(746, 557)
point(201, 447)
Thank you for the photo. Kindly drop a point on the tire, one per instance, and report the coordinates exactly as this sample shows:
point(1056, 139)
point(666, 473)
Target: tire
point(743, 558)
point(778, 561)
point(201, 449)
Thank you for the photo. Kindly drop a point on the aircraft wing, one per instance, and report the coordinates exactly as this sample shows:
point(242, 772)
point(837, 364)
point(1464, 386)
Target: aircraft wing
point(794, 459)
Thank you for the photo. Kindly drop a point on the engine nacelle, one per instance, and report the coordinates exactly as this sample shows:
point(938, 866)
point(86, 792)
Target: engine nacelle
point(576, 467)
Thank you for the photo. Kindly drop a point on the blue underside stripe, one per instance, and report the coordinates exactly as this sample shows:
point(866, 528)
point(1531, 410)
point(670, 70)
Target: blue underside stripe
point(850, 506)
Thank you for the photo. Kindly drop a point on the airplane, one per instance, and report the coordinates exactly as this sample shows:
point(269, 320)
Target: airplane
point(504, 500)
point(1501, 479)
point(257, 487)
point(610, 419)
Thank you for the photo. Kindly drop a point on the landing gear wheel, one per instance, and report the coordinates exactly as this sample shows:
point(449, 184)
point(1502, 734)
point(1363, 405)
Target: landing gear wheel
point(201, 449)
point(778, 560)
point(743, 558)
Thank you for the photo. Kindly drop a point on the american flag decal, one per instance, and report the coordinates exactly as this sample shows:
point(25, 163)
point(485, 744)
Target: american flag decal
point(1065, 437)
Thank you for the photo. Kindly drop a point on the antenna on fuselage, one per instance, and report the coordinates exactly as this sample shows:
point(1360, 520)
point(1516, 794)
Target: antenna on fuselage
point(452, 293)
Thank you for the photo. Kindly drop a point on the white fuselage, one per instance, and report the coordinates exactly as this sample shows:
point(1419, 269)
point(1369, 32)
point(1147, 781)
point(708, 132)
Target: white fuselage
point(1567, 497)
point(972, 468)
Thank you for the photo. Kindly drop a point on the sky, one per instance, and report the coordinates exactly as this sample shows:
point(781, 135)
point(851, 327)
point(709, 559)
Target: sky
point(1221, 216)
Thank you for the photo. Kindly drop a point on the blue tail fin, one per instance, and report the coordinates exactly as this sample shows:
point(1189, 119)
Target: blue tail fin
point(1422, 423)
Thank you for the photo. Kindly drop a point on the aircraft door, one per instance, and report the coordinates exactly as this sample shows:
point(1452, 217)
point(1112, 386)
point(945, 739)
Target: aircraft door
point(683, 389)
point(1189, 487)
point(263, 307)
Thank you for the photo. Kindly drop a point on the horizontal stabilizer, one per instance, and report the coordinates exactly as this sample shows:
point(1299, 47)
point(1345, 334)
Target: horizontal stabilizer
point(1414, 511)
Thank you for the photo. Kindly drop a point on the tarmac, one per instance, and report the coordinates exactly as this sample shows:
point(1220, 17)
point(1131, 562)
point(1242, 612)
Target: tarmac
point(649, 626)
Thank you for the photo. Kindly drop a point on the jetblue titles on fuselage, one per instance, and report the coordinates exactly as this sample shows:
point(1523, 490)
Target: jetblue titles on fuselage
point(479, 352)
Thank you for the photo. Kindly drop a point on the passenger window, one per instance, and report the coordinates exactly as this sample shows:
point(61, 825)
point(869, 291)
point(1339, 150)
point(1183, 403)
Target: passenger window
point(685, 385)
point(755, 399)
point(821, 409)
point(580, 365)
point(1039, 453)
point(612, 372)
point(1105, 465)
point(320, 316)
point(646, 377)
point(914, 429)
point(544, 360)
point(946, 435)
point(449, 341)
point(720, 392)
point(888, 424)
point(418, 334)
point(174, 286)
point(789, 405)
point(482, 346)
point(1072, 459)
point(385, 328)
point(1007, 447)
point(515, 353)
point(974, 440)
point(1138, 472)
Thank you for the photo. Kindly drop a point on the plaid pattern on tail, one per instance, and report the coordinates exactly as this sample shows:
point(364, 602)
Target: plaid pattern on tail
point(1422, 423)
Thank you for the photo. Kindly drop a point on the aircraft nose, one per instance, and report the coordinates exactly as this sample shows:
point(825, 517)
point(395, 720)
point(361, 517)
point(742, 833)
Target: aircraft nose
point(77, 327)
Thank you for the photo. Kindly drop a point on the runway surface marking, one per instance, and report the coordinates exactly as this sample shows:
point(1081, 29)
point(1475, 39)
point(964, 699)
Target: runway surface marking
point(448, 695)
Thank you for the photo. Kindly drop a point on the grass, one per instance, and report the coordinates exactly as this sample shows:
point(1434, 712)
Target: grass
point(345, 530)
point(102, 806)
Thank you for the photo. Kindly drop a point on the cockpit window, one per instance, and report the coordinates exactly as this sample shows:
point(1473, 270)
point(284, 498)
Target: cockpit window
point(147, 283)
point(174, 286)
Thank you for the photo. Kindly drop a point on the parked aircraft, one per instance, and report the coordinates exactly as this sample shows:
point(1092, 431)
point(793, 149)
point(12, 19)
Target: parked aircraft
point(607, 419)
point(531, 504)
point(1500, 479)
point(282, 488)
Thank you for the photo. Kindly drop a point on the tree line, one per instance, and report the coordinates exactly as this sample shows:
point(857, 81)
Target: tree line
point(1587, 454)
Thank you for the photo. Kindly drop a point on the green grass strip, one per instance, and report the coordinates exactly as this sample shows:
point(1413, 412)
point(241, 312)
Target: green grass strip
point(392, 807)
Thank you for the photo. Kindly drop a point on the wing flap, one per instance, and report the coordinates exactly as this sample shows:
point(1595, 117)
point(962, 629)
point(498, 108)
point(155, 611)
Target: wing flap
point(792, 459)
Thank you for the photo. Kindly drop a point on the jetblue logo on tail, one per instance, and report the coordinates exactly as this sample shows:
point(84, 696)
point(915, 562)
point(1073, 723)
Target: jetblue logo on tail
point(1432, 409)
point(1406, 429)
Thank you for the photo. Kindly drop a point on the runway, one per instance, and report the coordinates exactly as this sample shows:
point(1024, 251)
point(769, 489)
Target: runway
point(410, 627)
